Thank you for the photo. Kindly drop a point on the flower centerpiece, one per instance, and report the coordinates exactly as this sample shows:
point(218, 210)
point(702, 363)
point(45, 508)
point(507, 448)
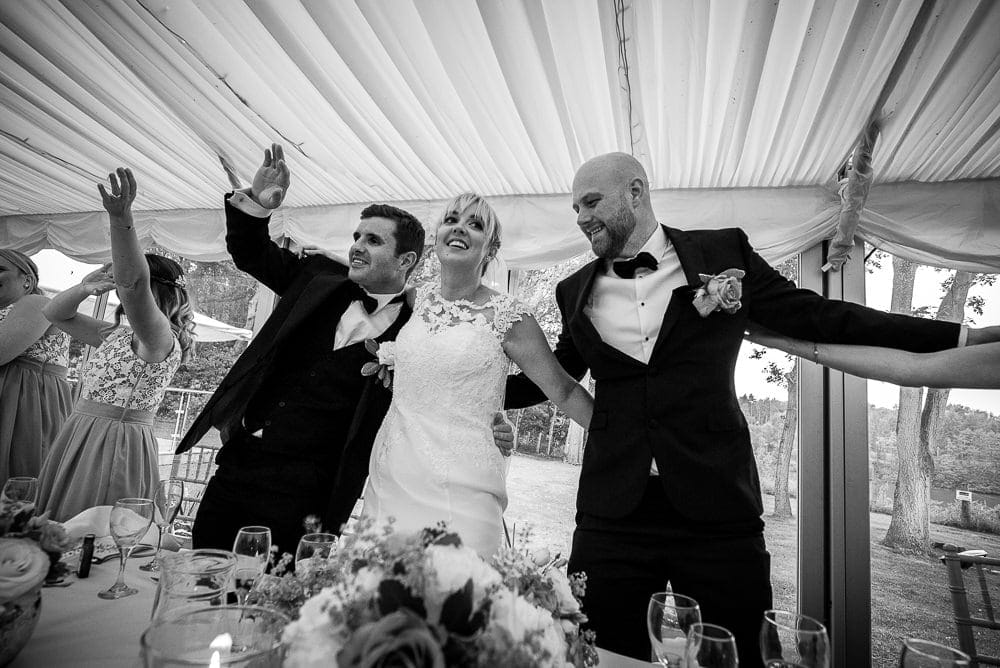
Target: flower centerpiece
point(385, 599)
point(30, 548)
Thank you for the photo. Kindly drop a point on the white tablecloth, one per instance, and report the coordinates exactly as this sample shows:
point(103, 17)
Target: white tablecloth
point(79, 630)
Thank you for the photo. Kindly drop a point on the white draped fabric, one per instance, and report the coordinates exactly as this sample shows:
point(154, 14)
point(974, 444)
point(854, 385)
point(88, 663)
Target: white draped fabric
point(743, 112)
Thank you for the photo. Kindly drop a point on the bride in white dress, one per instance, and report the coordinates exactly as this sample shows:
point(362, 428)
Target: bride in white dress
point(434, 458)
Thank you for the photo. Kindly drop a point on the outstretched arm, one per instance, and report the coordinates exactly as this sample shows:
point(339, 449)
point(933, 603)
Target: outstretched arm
point(61, 311)
point(153, 337)
point(526, 345)
point(23, 325)
point(974, 367)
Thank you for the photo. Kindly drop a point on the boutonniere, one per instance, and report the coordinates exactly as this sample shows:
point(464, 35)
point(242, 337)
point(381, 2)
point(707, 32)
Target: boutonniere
point(385, 361)
point(722, 291)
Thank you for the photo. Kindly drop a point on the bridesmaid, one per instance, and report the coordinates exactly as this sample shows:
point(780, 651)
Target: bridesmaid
point(35, 397)
point(107, 449)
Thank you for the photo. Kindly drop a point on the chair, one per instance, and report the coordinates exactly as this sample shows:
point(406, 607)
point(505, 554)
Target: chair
point(986, 571)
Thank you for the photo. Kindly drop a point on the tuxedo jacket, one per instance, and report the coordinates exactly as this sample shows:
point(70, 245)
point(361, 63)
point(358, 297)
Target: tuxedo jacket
point(681, 408)
point(303, 285)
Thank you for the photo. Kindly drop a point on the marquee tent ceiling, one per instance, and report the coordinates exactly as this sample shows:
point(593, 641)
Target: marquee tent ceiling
point(743, 113)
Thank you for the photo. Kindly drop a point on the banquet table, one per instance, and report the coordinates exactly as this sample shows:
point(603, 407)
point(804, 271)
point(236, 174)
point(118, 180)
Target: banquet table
point(78, 629)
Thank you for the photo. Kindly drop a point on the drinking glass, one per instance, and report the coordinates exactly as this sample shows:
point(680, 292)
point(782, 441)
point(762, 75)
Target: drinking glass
point(789, 640)
point(20, 492)
point(926, 654)
point(167, 501)
point(313, 551)
point(130, 520)
point(252, 548)
point(710, 646)
point(668, 619)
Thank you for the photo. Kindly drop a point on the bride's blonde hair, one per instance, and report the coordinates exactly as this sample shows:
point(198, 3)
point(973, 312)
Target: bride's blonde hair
point(481, 209)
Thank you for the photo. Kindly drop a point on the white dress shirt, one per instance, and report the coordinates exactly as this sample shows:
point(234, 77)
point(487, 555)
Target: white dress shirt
point(628, 312)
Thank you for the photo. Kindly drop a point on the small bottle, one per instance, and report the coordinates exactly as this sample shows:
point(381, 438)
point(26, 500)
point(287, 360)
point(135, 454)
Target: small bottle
point(86, 556)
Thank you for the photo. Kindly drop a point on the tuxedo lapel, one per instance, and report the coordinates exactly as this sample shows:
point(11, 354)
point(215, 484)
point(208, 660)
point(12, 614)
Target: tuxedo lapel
point(315, 295)
point(692, 260)
point(584, 324)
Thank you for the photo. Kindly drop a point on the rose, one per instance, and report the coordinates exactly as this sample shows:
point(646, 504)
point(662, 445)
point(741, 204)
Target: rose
point(568, 605)
point(398, 639)
point(453, 566)
point(386, 353)
point(722, 291)
point(541, 556)
point(52, 536)
point(23, 566)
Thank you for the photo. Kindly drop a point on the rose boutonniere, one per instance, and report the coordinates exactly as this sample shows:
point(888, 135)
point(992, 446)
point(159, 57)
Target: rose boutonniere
point(385, 361)
point(722, 291)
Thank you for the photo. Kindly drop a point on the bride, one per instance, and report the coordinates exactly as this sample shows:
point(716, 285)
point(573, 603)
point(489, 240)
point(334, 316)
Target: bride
point(434, 458)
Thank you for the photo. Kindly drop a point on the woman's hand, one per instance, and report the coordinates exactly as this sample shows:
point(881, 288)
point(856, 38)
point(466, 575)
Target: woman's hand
point(98, 281)
point(119, 202)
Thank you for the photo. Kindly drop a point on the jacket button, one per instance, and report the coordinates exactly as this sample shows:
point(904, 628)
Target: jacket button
point(267, 423)
point(281, 403)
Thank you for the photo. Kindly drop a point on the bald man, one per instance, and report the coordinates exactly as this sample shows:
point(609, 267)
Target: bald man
point(669, 489)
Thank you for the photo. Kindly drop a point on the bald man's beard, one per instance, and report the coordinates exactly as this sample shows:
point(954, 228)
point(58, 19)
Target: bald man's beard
point(617, 231)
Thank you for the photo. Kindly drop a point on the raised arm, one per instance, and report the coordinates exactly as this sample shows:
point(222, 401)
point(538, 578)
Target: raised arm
point(526, 345)
point(23, 325)
point(61, 310)
point(154, 338)
point(973, 367)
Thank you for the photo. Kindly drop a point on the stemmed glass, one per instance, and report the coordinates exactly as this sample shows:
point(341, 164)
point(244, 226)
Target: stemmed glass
point(167, 501)
point(668, 619)
point(20, 491)
point(252, 548)
point(710, 646)
point(313, 550)
point(130, 520)
point(926, 654)
point(789, 640)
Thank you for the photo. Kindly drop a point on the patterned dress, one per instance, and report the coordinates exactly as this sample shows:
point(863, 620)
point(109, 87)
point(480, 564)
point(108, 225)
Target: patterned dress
point(35, 399)
point(107, 449)
point(434, 458)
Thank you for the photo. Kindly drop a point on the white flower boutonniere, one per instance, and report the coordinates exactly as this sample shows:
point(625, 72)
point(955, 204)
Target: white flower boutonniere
point(722, 291)
point(385, 361)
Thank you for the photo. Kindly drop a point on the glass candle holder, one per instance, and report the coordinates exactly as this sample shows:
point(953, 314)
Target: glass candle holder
point(194, 578)
point(216, 636)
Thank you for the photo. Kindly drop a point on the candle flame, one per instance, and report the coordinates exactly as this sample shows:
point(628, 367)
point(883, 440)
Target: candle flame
point(223, 642)
point(215, 661)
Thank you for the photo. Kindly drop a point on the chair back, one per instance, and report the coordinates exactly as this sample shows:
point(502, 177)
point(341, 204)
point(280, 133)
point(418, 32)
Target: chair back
point(985, 572)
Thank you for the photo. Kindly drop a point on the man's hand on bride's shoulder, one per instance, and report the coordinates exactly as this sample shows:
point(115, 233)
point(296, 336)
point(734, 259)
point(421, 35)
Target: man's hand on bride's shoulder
point(503, 433)
point(308, 250)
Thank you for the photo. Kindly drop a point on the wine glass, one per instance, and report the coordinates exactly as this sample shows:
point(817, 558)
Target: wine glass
point(252, 548)
point(130, 520)
point(710, 646)
point(789, 640)
point(167, 501)
point(668, 619)
point(20, 492)
point(313, 550)
point(926, 654)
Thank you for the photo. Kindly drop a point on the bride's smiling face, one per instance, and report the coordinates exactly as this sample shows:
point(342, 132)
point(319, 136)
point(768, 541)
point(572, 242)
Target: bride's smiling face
point(461, 238)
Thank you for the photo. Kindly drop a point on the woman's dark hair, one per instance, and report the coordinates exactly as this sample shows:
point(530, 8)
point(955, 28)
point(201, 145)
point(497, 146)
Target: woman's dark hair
point(166, 281)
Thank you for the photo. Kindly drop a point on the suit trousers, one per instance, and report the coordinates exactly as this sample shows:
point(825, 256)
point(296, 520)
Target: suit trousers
point(256, 488)
point(725, 568)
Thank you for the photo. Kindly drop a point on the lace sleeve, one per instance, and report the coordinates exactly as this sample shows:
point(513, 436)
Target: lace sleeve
point(508, 311)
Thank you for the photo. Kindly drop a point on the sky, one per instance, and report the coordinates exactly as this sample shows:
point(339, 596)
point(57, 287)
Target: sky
point(878, 291)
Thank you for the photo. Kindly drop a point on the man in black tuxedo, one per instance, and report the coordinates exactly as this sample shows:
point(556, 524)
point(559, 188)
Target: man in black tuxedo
point(296, 416)
point(669, 487)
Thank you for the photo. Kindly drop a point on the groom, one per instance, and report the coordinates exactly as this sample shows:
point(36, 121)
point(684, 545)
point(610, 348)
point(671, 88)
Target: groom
point(296, 416)
point(668, 487)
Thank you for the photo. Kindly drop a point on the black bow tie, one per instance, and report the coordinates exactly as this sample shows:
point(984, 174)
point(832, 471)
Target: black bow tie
point(626, 268)
point(369, 303)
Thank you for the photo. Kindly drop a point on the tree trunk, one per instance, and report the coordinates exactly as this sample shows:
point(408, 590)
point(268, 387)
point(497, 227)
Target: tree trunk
point(909, 528)
point(517, 426)
point(552, 428)
point(782, 465)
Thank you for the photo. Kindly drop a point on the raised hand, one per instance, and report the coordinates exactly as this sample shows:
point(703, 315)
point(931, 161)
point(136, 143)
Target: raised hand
point(98, 281)
point(119, 202)
point(270, 183)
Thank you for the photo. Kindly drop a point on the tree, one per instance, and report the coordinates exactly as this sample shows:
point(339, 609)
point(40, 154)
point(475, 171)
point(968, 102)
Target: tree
point(789, 379)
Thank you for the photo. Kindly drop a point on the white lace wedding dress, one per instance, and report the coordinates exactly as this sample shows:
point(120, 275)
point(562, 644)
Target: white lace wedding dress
point(434, 457)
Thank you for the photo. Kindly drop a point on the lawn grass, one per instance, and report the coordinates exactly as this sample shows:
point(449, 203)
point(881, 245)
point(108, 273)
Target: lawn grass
point(909, 594)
